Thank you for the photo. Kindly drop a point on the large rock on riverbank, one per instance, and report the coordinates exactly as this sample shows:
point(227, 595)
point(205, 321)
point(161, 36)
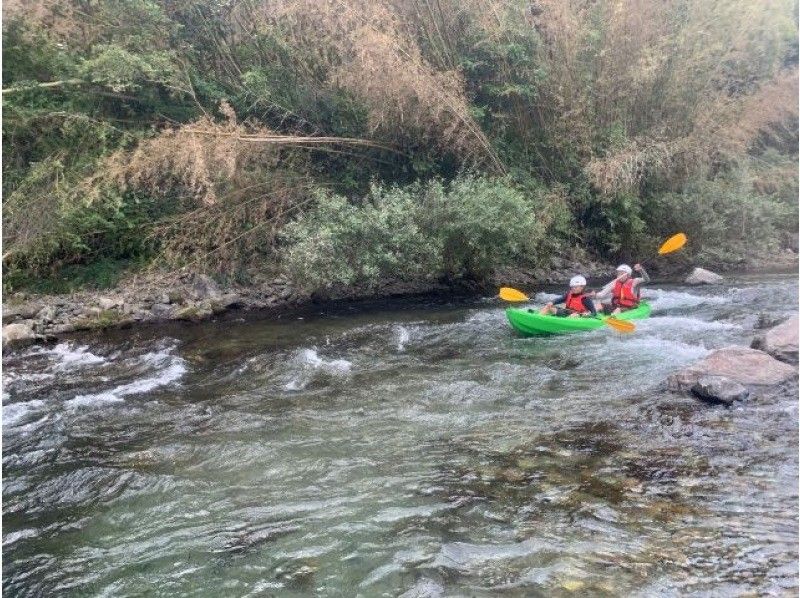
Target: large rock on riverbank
point(703, 276)
point(780, 341)
point(19, 334)
point(729, 374)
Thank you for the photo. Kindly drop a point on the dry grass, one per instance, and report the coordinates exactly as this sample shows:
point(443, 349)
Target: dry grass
point(368, 49)
point(726, 129)
point(237, 184)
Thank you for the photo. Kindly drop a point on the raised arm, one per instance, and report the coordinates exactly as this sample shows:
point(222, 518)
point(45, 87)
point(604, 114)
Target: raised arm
point(644, 278)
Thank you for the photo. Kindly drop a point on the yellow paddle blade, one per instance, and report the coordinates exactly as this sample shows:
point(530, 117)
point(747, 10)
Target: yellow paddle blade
point(674, 243)
point(620, 325)
point(509, 294)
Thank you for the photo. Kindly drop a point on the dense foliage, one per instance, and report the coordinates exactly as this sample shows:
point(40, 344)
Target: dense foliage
point(422, 231)
point(351, 141)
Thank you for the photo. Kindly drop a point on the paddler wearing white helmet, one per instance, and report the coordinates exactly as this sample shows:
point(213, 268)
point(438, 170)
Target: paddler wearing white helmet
point(624, 290)
point(577, 302)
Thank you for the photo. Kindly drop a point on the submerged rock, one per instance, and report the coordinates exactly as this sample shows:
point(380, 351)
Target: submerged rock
point(298, 575)
point(748, 367)
point(780, 341)
point(719, 389)
point(424, 588)
point(703, 276)
point(252, 538)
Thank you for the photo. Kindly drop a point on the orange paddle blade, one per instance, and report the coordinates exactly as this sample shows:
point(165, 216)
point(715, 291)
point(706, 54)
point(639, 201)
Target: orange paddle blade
point(674, 243)
point(509, 294)
point(620, 325)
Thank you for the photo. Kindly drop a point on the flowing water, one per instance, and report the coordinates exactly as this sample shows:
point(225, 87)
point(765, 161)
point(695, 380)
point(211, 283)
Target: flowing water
point(417, 447)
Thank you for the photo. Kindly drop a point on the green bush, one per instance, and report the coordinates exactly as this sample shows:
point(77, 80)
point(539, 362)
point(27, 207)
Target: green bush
point(483, 223)
point(424, 231)
point(724, 219)
point(55, 236)
point(339, 243)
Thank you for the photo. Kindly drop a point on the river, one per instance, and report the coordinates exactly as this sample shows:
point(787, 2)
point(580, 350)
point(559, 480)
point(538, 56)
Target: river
point(416, 447)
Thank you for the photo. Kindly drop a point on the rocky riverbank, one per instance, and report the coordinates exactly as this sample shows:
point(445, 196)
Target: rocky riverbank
point(195, 297)
point(190, 297)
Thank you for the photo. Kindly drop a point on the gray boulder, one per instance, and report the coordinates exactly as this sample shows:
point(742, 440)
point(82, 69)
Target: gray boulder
point(780, 341)
point(748, 367)
point(719, 389)
point(194, 313)
point(18, 333)
point(226, 301)
point(161, 310)
point(204, 287)
point(47, 314)
point(107, 302)
point(23, 311)
point(703, 276)
point(63, 328)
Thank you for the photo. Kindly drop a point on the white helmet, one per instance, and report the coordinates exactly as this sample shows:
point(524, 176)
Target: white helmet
point(577, 281)
point(625, 268)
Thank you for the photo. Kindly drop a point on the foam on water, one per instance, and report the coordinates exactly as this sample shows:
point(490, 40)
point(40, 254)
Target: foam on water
point(95, 400)
point(657, 347)
point(544, 297)
point(71, 356)
point(58, 360)
point(310, 363)
point(662, 299)
point(487, 316)
point(170, 369)
point(683, 323)
point(16, 413)
point(402, 335)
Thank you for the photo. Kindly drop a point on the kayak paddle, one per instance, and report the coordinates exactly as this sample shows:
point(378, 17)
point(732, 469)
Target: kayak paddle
point(674, 243)
point(515, 296)
point(619, 325)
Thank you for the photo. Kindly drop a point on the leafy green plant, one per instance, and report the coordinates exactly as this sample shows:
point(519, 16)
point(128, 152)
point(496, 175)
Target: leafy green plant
point(423, 231)
point(726, 221)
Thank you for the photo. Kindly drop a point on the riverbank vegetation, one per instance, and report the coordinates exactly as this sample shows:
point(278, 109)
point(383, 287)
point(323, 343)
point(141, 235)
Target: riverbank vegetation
point(345, 142)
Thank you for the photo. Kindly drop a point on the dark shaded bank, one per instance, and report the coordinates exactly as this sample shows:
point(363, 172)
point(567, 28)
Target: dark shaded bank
point(197, 297)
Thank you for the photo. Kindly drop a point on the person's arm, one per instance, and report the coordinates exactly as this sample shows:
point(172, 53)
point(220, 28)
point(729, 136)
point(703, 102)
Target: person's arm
point(589, 304)
point(558, 300)
point(644, 278)
point(605, 292)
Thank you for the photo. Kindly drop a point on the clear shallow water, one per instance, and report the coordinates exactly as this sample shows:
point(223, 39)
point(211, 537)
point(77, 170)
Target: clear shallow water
point(424, 448)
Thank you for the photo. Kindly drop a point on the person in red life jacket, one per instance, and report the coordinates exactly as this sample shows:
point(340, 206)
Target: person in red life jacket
point(577, 302)
point(624, 290)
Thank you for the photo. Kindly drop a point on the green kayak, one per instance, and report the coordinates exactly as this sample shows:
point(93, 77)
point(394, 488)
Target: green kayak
point(531, 323)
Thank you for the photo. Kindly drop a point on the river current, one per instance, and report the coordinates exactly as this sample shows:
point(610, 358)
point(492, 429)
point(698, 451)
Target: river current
point(418, 449)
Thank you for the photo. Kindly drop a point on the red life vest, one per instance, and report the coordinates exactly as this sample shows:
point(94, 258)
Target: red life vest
point(574, 302)
point(624, 295)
